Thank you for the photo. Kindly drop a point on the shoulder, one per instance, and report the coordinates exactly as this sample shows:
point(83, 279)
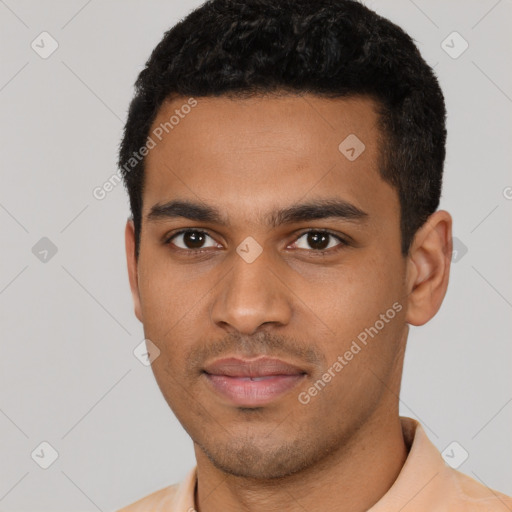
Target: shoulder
point(161, 498)
point(448, 489)
point(479, 496)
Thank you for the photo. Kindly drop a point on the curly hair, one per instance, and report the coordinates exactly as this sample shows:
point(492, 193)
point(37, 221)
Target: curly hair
point(330, 48)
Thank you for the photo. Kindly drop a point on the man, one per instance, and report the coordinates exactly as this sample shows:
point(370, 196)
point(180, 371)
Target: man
point(284, 166)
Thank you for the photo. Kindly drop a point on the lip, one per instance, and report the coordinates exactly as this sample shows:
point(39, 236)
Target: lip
point(252, 382)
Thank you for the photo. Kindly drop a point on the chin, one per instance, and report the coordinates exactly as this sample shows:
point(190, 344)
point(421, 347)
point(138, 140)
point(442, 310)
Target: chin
point(251, 459)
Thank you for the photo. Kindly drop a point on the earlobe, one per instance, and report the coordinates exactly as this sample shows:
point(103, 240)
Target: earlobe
point(132, 267)
point(429, 268)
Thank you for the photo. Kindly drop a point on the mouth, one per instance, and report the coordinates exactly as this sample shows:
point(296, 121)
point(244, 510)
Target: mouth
point(252, 382)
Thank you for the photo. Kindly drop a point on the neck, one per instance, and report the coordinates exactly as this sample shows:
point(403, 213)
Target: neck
point(352, 478)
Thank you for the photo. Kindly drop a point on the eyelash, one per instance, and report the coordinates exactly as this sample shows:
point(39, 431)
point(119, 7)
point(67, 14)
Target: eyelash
point(197, 252)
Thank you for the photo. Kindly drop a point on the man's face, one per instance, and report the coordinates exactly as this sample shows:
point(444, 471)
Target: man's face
point(214, 304)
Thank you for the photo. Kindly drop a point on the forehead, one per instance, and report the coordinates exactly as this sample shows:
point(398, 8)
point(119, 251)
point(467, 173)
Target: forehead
point(245, 155)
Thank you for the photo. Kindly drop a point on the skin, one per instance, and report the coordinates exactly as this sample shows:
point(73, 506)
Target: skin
point(344, 449)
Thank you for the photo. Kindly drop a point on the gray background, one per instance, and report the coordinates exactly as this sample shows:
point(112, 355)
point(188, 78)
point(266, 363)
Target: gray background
point(68, 373)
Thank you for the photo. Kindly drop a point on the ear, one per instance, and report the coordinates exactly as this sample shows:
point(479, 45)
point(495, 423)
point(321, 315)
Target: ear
point(428, 268)
point(129, 236)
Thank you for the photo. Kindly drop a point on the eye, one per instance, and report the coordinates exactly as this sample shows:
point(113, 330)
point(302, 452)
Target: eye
point(190, 239)
point(320, 241)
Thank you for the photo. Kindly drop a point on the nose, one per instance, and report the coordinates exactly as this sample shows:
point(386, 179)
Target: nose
point(251, 294)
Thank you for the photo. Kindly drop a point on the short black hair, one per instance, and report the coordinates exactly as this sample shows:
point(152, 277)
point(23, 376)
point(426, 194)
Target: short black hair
point(330, 48)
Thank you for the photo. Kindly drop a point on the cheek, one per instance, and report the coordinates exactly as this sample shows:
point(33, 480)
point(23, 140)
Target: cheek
point(166, 294)
point(174, 310)
point(351, 297)
point(364, 313)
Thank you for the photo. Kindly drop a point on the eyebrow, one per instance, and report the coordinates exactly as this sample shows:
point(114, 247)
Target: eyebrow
point(312, 210)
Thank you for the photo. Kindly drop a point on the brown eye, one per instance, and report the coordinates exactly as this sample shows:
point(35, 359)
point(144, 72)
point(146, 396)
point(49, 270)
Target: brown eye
point(190, 239)
point(318, 241)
